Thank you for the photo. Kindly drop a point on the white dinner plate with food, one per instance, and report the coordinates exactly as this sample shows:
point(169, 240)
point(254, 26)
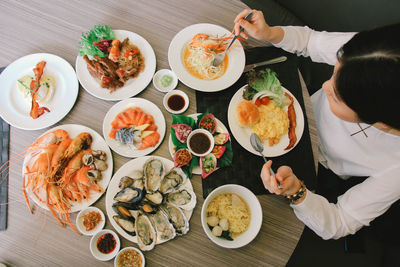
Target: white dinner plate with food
point(133, 86)
point(147, 107)
point(15, 107)
point(242, 134)
point(220, 129)
point(127, 170)
point(178, 46)
point(98, 143)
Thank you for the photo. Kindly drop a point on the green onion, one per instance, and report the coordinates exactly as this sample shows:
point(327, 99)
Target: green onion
point(26, 87)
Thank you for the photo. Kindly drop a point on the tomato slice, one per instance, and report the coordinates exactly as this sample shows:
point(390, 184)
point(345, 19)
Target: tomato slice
point(258, 102)
point(265, 100)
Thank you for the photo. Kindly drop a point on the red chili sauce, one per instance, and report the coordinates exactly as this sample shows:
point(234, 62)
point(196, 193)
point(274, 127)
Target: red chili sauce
point(106, 243)
point(176, 102)
point(199, 143)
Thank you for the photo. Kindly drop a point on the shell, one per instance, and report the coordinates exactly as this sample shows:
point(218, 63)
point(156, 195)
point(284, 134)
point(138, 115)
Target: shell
point(100, 165)
point(183, 198)
point(182, 132)
point(176, 217)
point(218, 151)
point(125, 182)
point(99, 154)
point(87, 159)
point(212, 118)
point(221, 138)
point(146, 234)
point(153, 171)
point(155, 198)
point(164, 229)
point(208, 165)
point(182, 157)
point(128, 224)
point(172, 180)
point(129, 194)
point(94, 175)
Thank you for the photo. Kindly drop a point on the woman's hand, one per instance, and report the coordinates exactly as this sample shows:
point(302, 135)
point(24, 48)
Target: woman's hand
point(289, 182)
point(257, 27)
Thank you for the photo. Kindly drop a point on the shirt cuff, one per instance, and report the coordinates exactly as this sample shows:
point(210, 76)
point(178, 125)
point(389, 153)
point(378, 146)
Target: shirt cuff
point(306, 204)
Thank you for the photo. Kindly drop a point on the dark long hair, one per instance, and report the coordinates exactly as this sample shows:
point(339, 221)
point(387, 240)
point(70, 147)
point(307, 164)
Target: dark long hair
point(368, 80)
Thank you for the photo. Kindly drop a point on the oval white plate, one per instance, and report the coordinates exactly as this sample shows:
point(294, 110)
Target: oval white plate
point(242, 134)
point(133, 86)
point(175, 58)
point(15, 110)
point(220, 128)
point(81, 227)
point(97, 144)
point(126, 170)
point(146, 106)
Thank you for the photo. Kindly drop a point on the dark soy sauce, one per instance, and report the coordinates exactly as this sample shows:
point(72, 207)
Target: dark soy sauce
point(176, 102)
point(199, 143)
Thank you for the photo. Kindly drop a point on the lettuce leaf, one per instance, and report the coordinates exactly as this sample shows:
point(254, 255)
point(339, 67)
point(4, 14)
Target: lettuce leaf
point(98, 33)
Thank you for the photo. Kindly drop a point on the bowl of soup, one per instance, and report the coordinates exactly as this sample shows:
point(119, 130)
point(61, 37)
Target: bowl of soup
point(231, 216)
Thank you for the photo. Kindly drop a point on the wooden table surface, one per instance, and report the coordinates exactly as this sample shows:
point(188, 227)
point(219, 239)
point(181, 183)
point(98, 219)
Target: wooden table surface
point(55, 27)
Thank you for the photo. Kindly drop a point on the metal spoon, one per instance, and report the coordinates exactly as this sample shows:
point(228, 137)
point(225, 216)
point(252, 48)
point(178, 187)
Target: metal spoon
point(258, 146)
point(220, 57)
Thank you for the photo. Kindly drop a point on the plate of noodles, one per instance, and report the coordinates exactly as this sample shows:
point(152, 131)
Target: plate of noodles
point(192, 51)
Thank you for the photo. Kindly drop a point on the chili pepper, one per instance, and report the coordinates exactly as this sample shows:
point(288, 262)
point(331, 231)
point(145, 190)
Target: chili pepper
point(131, 53)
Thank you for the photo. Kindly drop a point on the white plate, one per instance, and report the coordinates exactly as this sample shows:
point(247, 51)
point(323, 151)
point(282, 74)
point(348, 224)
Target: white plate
point(175, 58)
point(242, 134)
point(97, 144)
point(220, 128)
point(98, 227)
point(15, 110)
point(148, 107)
point(133, 86)
point(126, 170)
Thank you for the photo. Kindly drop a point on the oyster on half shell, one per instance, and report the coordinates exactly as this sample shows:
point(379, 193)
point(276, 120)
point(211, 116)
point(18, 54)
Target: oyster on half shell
point(153, 171)
point(172, 180)
point(164, 229)
point(176, 217)
point(183, 198)
point(146, 234)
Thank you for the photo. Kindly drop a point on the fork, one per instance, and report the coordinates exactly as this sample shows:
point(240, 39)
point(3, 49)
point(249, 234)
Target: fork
point(220, 57)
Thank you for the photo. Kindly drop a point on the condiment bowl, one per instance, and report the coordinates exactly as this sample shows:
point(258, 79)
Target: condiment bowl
point(255, 213)
point(95, 251)
point(189, 144)
point(157, 80)
point(179, 93)
point(82, 228)
point(130, 248)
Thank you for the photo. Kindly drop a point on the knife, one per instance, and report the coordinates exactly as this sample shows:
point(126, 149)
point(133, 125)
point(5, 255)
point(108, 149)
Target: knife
point(271, 61)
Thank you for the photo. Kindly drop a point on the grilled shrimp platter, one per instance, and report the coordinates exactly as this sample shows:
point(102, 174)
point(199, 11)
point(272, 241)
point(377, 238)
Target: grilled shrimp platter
point(149, 201)
point(66, 170)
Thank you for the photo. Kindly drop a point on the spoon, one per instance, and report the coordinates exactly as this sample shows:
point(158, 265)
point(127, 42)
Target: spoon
point(220, 57)
point(258, 146)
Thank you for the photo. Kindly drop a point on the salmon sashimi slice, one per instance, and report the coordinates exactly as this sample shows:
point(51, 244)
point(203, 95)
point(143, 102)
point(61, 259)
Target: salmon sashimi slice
point(150, 140)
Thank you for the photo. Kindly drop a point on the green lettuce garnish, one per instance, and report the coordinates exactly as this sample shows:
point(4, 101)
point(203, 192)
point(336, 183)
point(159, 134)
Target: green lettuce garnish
point(98, 33)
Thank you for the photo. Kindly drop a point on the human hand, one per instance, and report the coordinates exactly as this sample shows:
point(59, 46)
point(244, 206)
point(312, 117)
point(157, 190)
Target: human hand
point(289, 182)
point(256, 27)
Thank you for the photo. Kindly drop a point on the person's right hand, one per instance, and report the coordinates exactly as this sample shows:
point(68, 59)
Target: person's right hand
point(256, 27)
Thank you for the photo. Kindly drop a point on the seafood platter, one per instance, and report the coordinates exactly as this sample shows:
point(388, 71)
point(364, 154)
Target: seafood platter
point(134, 127)
point(114, 64)
point(149, 201)
point(266, 108)
point(221, 153)
point(66, 170)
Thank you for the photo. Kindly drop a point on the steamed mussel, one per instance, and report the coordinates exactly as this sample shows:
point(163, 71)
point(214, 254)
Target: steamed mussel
point(127, 224)
point(129, 195)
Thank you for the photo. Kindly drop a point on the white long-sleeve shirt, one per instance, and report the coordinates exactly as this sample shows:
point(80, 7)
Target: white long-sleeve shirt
point(375, 154)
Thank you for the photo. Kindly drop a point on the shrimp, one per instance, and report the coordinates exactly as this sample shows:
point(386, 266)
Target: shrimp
point(115, 49)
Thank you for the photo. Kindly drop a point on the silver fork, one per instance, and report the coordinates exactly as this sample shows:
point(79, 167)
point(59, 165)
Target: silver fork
point(220, 57)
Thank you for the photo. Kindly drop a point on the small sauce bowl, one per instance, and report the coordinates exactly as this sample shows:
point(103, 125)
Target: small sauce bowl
point(96, 252)
point(130, 248)
point(158, 83)
point(82, 228)
point(176, 102)
point(199, 135)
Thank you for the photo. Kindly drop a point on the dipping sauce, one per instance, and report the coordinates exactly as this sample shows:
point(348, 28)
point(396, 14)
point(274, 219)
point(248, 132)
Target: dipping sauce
point(176, 102)
point(199, 143)
point(106, 243)
point(129, 258)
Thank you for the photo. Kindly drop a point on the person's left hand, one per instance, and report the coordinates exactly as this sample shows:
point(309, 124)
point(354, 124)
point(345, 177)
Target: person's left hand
point(285, 176)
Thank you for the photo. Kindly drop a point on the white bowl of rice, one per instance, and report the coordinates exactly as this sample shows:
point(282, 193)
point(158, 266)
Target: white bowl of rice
point(231, 216)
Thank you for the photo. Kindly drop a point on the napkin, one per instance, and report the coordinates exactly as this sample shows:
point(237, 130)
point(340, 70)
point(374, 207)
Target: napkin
point(246, 167)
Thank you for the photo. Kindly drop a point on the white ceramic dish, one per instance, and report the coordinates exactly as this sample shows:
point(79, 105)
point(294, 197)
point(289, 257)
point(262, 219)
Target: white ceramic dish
point(210, 137)
point(176, 92)
point(146, 106)
point(113, 189)
point(255, 211)
point(242, 134)
point(15, 110)
point(95, 251)
point(175, 58)
point(157, 80)
point(220, 128)
point(81, 227)
point(98, 143)
point(130, 248)
point(133, 86)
